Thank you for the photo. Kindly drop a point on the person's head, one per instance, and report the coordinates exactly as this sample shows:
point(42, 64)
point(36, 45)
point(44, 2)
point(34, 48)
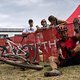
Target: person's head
point(76, 23)
point(63, 31)
point(52, 20)
point(43, 23)
point(30, 22)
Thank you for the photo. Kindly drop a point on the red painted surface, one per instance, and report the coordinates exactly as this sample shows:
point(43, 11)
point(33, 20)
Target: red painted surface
point(75, 14)
point(45, 38)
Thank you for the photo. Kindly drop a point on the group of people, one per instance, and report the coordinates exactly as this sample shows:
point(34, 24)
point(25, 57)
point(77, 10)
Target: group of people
point(68, 48)
point(53, 22)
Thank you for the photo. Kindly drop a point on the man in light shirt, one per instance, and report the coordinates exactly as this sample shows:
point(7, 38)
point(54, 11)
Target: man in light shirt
point(31, 27)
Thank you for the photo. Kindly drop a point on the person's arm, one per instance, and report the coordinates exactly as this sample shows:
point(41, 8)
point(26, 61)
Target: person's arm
point(25, 33)
point(60, 53)
point(38, 29)
point(76, 39)
point(59, 50)
point(77, 48)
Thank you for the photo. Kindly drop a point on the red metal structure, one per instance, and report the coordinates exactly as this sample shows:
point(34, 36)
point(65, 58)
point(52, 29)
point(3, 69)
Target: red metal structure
point(75, 14)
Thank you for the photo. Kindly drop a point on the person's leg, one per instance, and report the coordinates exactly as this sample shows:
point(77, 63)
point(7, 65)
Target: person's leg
point(53, 60)
point(53, 64)
point(76, 59)
point(70, 61)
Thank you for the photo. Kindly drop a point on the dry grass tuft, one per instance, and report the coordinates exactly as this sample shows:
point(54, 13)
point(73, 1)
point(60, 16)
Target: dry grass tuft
point(8, 72)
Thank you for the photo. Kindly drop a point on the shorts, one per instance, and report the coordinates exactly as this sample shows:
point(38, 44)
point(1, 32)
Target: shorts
point(70, 61)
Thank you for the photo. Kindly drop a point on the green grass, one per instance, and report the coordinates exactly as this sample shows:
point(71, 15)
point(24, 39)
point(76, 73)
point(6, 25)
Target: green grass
point(8, 72)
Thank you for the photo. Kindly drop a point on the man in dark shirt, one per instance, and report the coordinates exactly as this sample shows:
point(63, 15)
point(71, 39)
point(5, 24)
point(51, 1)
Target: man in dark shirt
point(67, 55)
point(76, 23)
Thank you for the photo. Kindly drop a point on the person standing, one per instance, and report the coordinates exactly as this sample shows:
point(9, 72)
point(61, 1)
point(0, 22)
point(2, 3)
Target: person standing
point(30, 28)
point(44, 24)
point(76, 23)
